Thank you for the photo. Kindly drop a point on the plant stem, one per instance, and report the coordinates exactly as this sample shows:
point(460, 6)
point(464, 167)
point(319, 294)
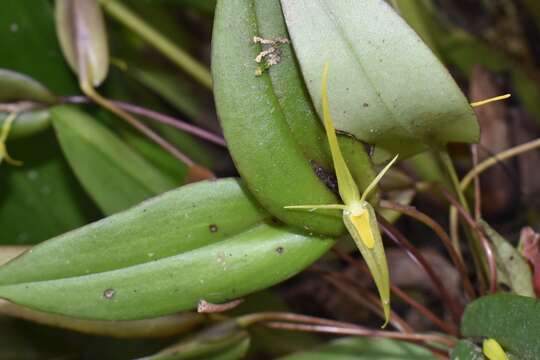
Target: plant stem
point(484, 242)
point(157, 116)
point(178, 56)
point(398, 238)
point(402, 295)
point(145, 130)
point(367, 300)
point(328, 329)
point(495, 159)
point(447, 242)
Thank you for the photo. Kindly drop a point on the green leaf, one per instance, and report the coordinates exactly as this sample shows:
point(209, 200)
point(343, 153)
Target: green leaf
point(512, 320)
point(42, 198)
point(15, 86)
point(83, 37)
point(466, 350)
point(114, 175)
point(224, 341)
point(368, 349)
point(198, 215)
point(387, 88)
point(512, 269)
point(195, 243)
point(255, 125)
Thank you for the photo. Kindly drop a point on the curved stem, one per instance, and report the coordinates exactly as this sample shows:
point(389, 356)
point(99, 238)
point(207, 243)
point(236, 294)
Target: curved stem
point(447, 242)
point(145, 130)
point(484, 242)
point(156, 116)
point(328, 329)
point(398, 238)
point(178, 56)
point(494, 160)
point(403, 296)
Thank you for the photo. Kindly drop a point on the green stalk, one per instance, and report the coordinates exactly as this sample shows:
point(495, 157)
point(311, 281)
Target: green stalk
point(178, 56)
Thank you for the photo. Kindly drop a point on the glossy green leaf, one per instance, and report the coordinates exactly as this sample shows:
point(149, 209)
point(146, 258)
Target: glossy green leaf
point(387, 87)
point(197, 242)
point(512, 320)
point(113, 174)
point(224, 341)
point(512, 269)
point(83, 37)
point(42, 198)
point(466, 350)
point(217, 273)
point(255, 126)
point(363, 348)
point(15, 86)
point(27, 123)
point(198, 215)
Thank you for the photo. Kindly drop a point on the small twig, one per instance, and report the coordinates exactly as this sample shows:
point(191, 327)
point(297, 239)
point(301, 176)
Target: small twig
point(477, 188)
point(205, 307)
point(398, 238)
point(448, 328)
point(484, 242)
point(447, 242)
point(495, 159)
point(145, 130)
point(369, 301)
point(328, 329)
point(156, 116)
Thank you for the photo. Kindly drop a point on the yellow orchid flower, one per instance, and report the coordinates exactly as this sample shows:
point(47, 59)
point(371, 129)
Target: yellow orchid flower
point(493, 350)
point(6, 128)
point(358, 214)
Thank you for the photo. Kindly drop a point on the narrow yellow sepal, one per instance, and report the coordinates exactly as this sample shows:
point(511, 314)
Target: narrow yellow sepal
point(491, 100)
point(347, 187)
point(493, 350)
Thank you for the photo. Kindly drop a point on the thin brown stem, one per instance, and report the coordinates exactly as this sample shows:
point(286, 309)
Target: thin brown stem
point(145, 130)
point(447, 242)
point(484, 242)
point(367, 300)
point(158, 117)
point(398, 238)
point(328, 329)
point(448, 328)
point(477, 188)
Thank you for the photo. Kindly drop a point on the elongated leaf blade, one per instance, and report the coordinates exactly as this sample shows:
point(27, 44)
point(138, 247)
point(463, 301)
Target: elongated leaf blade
point(242, 264)
point(178, 221)
point(387, 88)
point(114, 175)
point(15, 86)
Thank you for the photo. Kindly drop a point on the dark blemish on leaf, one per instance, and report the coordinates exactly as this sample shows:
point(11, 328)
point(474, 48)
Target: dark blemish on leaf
point(326, 177)
point(213, 228)
point(280, 250)
point(275, 220)
point(109, 294)
point(366, 105)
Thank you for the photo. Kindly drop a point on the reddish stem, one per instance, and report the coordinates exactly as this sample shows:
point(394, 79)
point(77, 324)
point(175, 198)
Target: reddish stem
point(398, 238)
